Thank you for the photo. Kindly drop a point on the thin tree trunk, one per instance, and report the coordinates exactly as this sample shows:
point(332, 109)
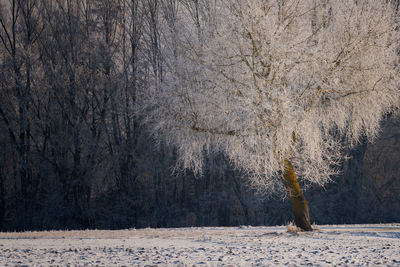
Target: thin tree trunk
point(299, 202)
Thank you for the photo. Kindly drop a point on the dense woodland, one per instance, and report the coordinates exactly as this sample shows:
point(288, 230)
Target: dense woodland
point(74, 152)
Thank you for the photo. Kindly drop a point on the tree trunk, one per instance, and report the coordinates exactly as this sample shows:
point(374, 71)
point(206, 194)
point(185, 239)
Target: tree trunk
point(299, 202)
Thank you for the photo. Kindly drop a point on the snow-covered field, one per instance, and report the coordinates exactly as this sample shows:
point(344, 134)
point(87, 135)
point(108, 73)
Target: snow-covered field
point(346, 245)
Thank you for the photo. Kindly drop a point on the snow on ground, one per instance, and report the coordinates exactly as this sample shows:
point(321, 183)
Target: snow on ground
point(343, 245)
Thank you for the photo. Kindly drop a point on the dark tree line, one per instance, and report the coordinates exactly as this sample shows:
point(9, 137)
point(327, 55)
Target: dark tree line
point(70, 70)
point(73, 154)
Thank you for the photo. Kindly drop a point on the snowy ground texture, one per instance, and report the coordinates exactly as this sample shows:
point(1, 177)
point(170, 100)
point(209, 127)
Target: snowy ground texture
point(342, 245)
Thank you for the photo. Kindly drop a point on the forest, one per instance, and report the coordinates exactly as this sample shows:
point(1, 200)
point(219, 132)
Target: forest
point(76, 151)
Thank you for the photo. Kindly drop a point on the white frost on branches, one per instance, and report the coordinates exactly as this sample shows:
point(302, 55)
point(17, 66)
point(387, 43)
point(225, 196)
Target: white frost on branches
point(265, 81)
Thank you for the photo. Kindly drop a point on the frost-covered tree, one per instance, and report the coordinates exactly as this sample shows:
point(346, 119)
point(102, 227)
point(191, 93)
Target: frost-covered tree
point(279, 86)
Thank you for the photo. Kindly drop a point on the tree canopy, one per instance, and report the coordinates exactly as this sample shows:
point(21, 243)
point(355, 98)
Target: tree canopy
point(269, 81)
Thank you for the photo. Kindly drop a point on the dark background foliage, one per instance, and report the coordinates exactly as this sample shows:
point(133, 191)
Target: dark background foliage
point(75, 155)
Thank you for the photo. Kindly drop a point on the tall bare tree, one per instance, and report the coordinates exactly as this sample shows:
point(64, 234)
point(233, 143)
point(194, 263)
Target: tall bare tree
point(277, 86)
